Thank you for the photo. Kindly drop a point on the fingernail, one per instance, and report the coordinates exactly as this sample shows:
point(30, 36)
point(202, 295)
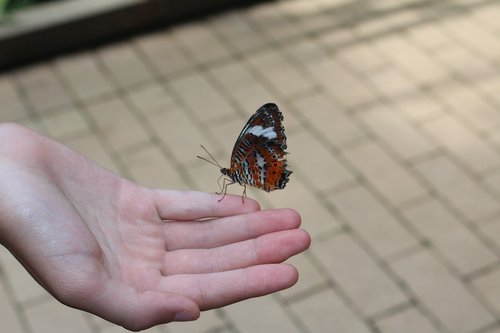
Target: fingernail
point(184, 316)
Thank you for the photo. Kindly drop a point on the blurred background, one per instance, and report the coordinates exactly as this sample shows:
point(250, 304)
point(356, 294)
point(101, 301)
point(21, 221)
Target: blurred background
point(392, 114)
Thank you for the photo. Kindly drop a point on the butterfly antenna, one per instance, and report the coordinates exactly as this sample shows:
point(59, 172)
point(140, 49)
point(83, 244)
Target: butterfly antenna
point(216, 163)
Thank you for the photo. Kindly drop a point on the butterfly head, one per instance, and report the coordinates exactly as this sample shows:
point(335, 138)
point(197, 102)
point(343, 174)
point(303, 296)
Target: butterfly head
point(225, 172)
point(229, 174)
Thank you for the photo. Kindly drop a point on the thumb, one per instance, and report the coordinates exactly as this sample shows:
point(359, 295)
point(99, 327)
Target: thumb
point(137, 311)
point(158, 307)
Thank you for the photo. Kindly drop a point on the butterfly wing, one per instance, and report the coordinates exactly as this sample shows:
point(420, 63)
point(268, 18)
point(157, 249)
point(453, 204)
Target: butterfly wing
point(258, 157)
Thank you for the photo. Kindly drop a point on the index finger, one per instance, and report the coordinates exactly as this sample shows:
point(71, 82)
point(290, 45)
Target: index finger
point(192, 205)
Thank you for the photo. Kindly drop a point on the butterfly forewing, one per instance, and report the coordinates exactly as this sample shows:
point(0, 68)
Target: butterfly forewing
point(258, 157)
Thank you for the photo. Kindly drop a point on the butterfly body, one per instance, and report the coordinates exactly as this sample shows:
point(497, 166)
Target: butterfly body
point(258, 157)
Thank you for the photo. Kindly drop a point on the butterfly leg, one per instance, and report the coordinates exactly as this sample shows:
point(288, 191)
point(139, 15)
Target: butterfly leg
point(218, 183)
point(244, 194)
point(225, 185)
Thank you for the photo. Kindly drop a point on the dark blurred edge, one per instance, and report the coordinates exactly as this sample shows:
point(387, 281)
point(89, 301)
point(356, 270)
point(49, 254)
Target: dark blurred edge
point(23, 42)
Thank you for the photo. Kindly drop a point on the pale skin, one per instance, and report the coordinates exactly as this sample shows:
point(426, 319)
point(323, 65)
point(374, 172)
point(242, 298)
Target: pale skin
point(135, 256)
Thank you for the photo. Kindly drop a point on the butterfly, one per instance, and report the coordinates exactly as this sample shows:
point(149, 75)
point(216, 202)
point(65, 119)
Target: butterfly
point(258, 157)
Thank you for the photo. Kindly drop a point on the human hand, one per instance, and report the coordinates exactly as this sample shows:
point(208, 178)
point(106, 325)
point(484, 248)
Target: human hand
point(135, 256)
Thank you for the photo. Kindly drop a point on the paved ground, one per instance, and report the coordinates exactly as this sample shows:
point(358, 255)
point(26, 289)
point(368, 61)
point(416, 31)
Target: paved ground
point(392, 113)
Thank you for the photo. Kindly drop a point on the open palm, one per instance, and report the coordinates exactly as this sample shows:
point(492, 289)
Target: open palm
point(135, 256)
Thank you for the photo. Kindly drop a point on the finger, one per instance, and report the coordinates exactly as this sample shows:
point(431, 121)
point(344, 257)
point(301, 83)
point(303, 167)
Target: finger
point(271, 248)
point(136, 311)
point(227, 230)
point(192, 205)
point(214, 290)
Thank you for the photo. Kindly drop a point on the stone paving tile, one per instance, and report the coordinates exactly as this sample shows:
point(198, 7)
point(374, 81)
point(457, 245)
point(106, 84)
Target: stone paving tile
point(325, 312)
point(272, 23)
point(496, 330)
point(171, 128)
point(150, 167)
point(396, 132)
point(201, 96)
point(124, 64)
point(114, 120)
point(411, 59)
point(476, 154)
point(118, 329)
point(494, 138)
point(99, 325)
point(363, 58)
point(43, 88)
point(374, 223)
point(489, 86)
point(489, 288)
point(65, 122)
point(392, 83)
point(223, 330)
point(48, 316)
point(151, 99)
point(332, 39)
point(455, 306)
point(430, 36)
point(304, 51)
point(491, 231)
point(317, 218)
point(409, 321)
point(21, 285)
point(163, 52)
point(5, 258)
point(306, 14)
point(254, 93)
point(388, 176)
point(474, 36)
point(322, 169)
point(33, 124)
point(283, 76)
point(465, 64)
point(235, 29)
point(263, 314)
point(24, 287)
point(456, 242)
point(329, 119)
point(8, 313)
point(461, 99)
point(232, 74)
point(12, 104)
point(342, 84)
point(84, 76)
point(200, 43)
point(309, 277)
point(393, 18)
point(209, 322)
point(418, 106)
point(487, 16)
point(466, 196)
point(358, 274)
